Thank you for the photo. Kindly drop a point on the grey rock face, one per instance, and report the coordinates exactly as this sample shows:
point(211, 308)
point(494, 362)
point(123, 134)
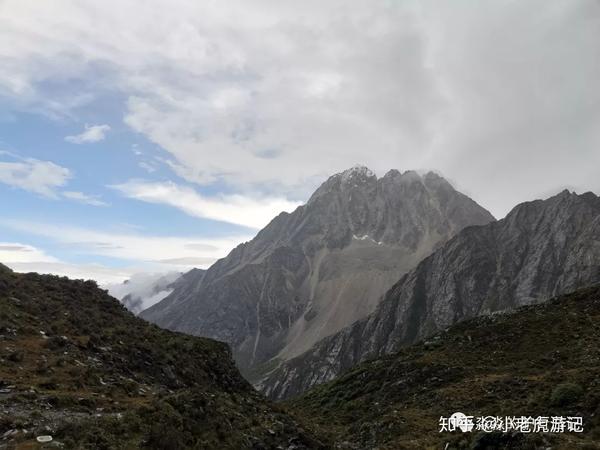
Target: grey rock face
point(541, 249)
point(310, 273)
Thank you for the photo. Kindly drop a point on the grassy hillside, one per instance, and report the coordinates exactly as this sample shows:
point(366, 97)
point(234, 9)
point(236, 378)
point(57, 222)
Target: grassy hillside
point(541, 360)
point(76, 365)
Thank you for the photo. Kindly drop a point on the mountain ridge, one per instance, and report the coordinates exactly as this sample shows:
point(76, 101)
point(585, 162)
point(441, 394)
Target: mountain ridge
point(76, 365)
point(540, 249)
point(311, 272)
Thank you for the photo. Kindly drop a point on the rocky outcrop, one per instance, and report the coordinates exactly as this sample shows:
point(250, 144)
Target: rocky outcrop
point(310, 273)
point(541, 249)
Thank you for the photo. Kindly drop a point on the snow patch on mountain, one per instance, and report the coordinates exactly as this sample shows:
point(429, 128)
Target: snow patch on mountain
point(366, 237)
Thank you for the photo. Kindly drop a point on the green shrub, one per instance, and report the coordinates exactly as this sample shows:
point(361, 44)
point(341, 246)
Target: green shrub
point(166, 430)
point(566, 394)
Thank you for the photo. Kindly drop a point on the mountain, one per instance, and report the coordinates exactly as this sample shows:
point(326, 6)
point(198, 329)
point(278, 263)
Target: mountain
point(541, 249)
point(310, 273)
point(539, 360)
point(75, 365)
point(142, 290)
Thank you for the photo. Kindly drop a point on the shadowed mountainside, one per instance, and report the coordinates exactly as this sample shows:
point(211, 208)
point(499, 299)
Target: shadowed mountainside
point(75, 364)
point(310, 273)
point(539, 360)
point(541, 249)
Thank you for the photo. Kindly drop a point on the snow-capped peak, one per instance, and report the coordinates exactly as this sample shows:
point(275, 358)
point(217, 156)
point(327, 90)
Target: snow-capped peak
point(357, 170)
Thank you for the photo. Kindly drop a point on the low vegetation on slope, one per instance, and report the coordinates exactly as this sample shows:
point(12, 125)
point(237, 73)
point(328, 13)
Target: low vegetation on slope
point(541, 360)
point(75, 365)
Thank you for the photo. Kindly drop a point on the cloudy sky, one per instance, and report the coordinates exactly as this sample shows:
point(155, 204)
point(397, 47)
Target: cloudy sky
point(156, 135)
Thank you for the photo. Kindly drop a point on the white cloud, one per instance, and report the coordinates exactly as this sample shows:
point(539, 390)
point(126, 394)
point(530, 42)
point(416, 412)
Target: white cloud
point(157, 253)
point(283, 93)
point(238, 209)
point(27, 258)
point(147, 166)
point(102, 274)
point(521, 118)
point(14, 252)
point(41, 177)
point(141, 280)
point(33, 175)
point(91, 134)
point(83, 198)
point(142, 290)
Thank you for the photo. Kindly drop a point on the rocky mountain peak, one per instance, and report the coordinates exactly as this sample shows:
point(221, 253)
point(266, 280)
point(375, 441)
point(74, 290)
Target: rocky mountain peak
point(402, 209)
point(356, 178)
point(429, 179)
point(541, 249)
point(362, 180)
point(556, 209)
point(314, 271)
point(435, 180)
point(392, 173)
point(356, 172)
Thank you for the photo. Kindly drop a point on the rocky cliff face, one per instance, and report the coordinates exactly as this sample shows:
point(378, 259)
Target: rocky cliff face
point(541, 249)
point(310, 273)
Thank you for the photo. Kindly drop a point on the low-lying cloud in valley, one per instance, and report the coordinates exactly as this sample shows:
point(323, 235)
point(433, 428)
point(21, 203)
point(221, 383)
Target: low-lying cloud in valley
point(143, 290)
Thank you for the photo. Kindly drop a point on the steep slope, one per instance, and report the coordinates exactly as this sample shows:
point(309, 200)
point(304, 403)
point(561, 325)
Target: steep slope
point(540, 360)
point(310, 273)
point(541, 249)
point(74, 364)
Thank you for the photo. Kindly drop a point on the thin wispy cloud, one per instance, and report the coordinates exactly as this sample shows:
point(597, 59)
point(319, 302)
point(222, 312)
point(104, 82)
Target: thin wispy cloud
point(238, 209)
point(91, 134)
point(27, 258)
point(147, 166)
point(30, 174)
point(104, 275)
point(136, 248)
point(84, 198)
point(15, 252)
point(44, 178)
